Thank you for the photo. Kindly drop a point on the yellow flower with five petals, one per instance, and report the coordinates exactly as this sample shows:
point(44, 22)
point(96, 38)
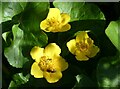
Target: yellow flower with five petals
point(48, 63)
point(56, 21)
point(82, 47)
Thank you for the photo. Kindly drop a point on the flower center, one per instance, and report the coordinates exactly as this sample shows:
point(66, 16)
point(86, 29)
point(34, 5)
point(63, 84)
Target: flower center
point(84, 45)
point(46, 64)
point(53, 22)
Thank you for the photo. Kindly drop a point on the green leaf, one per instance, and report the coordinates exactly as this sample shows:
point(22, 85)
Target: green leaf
point(29, 36)
point(29, 21)
point(12, 84)
point(18, 79)
point(34, 13)
point(5, 35)
point(79, 10)
point(13, 53)
point(108, 74)
point(83, 81)
point(35, 39)
point(112, 31)
point(10, 9)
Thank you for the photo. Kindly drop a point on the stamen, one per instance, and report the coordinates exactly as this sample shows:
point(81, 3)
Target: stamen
point(45, 64)
point(53, 22)
point(51, 71)
point(82, 46)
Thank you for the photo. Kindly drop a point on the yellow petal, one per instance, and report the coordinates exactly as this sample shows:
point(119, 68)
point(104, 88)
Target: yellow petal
point(72, 46)
point(65, 28)
point(80, 56)
point(44, 25)
point(82, 35)
point(35, 71)
point(54, 13)
point(53, 29)
point(93, 51)
point(52, 49)
point(36, 53)
point(89, 41)
point(65, 18)
point(53, 77)
point(60, 63)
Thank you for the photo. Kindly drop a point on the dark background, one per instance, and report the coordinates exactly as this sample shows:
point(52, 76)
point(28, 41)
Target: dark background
point(111, 12)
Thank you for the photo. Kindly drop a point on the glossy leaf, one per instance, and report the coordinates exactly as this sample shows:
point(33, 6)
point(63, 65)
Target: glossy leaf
point(10, 9)
point(13, 53)
point(18, 79)
point(22, 44)
point(80, 10)
point(108, 74)
point(112, 31)
point(34, 13)
point(5, 35)
point(29, 36)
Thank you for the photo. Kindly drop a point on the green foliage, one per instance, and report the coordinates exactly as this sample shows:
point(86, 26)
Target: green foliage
point(108, 72)
point(30, 21)
point(29, 36)
point(14, 52)
point(10, 9)
point(80, 10)
point(112, 31)
point(18, 79)
point(19, 44)
point(34, 13)
point(21, 31)
point(5, 35)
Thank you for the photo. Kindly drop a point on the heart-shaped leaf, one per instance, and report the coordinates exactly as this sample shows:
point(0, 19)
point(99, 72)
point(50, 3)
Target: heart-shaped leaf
point(34, 13)
point(80, 10)
point(10, 9)
point(112, 31)
point(13, 53)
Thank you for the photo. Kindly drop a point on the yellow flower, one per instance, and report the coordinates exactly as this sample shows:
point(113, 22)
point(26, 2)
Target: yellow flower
point(55, 21)
point(82, 47)
point(48, 63)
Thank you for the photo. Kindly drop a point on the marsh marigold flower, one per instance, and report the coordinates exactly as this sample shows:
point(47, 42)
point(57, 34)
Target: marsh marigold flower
point(82, 47)
point(55, 21)
point(48, 63)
